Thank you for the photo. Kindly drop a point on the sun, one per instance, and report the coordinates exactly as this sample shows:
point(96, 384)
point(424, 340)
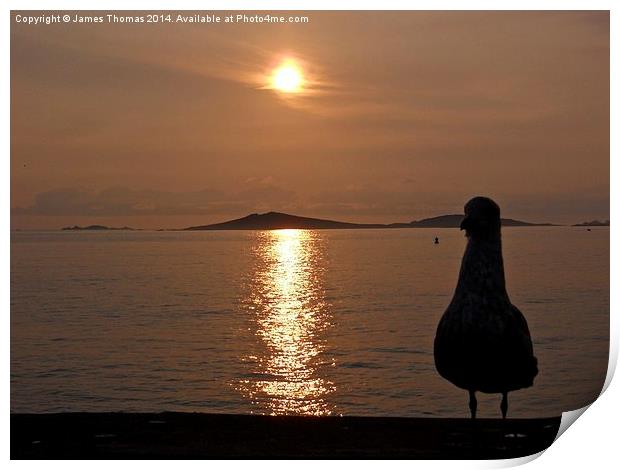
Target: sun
point(287, 78)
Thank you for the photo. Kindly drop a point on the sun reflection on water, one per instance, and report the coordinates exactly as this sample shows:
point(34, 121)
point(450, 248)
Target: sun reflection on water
point(289, 315)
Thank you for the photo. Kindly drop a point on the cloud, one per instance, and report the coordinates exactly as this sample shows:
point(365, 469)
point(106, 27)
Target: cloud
point(254, 194)
point(400, 203)
point(122, 201)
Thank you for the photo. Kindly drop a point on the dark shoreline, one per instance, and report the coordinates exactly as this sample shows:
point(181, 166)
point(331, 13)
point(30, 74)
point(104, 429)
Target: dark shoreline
point(197, 435)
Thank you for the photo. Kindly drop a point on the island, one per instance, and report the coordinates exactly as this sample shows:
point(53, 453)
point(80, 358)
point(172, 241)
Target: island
point(454, 221)
point(593, 223)
point(279, 220)
point(96, 227)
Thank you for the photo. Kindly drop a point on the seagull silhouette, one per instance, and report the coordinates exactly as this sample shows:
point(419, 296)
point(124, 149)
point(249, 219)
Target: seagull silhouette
point(482, 341)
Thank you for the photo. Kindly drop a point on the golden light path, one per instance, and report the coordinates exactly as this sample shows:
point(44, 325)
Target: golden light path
point(290, 314)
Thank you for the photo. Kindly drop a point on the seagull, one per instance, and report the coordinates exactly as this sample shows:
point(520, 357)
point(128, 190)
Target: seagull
point(483, 343)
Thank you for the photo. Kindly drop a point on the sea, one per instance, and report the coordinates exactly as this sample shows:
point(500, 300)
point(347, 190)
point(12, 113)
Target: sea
point(302, 322)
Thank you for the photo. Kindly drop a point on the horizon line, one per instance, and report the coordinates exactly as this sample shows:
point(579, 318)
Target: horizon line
point(387, 225)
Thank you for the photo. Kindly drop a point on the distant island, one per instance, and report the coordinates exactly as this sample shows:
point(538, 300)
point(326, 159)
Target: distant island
point(279, 220)
point(454, 221)
point(96, 227)
point(593, 223)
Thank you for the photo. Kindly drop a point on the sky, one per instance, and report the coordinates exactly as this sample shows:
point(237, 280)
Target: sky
point(401, 116)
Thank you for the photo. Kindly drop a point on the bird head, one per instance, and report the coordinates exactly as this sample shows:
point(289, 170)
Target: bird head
point(482, 218)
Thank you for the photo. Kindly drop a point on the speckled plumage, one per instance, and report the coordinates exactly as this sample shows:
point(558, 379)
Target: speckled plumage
point(483, 342)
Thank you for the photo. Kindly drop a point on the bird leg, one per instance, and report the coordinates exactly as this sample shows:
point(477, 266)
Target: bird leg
point(473, 403)
point(504, 405)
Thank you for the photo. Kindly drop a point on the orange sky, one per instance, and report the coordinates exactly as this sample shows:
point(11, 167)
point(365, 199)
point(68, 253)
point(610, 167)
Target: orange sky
point(406, 115)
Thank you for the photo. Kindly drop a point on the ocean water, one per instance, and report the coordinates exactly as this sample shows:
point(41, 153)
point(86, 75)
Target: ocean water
point(336, 322)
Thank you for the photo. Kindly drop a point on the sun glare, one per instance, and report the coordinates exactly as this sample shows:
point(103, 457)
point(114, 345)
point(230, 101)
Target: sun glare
point(287, 78)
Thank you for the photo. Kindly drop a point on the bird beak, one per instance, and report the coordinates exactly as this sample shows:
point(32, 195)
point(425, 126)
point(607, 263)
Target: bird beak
point(465, 223)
